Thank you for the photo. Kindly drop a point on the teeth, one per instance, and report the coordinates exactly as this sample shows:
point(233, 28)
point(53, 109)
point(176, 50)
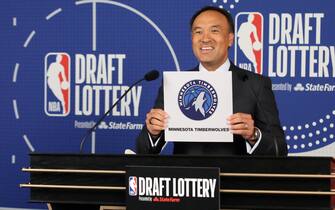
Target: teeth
point(206, 48)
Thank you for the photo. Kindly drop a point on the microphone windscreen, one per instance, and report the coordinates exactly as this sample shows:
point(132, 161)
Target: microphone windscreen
point(151, 75)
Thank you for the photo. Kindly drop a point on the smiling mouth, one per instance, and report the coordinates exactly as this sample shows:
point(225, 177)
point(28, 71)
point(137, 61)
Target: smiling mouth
point(206, 49)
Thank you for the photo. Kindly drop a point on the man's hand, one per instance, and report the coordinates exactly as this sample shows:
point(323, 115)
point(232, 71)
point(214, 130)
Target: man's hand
point(156, 121)
point(242, 124)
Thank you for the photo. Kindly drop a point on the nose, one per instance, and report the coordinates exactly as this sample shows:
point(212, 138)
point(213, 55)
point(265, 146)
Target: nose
point(206, 37)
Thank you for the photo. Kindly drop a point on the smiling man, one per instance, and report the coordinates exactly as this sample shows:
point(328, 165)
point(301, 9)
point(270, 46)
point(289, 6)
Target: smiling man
point(212, 35)
point(255, 122)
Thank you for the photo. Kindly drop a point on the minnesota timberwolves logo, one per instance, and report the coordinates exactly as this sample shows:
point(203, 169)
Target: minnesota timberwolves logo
point(197, 99)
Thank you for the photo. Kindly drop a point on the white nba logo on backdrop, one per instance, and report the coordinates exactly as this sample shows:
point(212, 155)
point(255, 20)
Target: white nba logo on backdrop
point(249, 41)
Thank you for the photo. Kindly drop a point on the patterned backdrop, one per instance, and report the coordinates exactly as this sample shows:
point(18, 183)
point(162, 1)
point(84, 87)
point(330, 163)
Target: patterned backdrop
point(64, 62)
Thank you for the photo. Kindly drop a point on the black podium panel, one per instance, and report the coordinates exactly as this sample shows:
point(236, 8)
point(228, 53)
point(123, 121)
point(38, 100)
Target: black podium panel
point(246, 182)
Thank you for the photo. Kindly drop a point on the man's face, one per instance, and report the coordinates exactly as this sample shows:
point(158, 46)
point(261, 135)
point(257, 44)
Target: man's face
point(211, 38)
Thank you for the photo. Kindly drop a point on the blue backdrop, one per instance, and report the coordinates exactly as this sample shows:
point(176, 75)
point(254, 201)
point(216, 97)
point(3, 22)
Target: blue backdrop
point(106, 45)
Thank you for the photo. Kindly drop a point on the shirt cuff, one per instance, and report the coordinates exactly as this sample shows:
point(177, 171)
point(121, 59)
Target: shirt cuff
point(251, 149)
point(154, 143)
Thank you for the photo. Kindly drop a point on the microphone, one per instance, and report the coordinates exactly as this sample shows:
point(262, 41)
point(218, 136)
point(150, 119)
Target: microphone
point(149, 76)
point(244, 78)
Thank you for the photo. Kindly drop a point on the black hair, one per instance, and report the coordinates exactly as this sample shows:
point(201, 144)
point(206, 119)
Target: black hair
point(217, 9)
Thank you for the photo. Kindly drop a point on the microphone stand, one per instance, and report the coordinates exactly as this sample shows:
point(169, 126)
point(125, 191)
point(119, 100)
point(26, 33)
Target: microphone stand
point(91, 130)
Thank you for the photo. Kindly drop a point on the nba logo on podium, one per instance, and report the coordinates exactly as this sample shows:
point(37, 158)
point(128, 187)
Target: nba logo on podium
point(57, 84)
point(249, 41)
point(132, 185)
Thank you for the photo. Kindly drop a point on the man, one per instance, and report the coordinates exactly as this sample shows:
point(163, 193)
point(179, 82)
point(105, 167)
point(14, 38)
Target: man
point(255, 122)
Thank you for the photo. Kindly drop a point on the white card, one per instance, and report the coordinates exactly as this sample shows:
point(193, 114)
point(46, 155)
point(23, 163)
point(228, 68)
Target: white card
point(198, 104)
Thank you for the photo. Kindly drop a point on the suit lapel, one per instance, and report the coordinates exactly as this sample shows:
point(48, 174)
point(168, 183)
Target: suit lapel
point(236, 81)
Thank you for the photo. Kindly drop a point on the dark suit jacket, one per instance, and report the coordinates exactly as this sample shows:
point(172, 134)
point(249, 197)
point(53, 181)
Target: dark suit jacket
point(252, 93)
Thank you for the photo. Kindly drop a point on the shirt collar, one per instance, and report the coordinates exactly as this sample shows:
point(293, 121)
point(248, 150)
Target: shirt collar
point(224, 67)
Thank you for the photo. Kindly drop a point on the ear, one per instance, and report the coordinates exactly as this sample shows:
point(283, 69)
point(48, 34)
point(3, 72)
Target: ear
point(231, 39)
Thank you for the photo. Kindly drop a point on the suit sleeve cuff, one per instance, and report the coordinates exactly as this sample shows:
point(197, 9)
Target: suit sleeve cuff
point(251, 148)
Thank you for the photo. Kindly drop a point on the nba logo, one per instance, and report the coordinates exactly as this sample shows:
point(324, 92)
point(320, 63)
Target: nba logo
point(132, 185)
point(57, 84)
point(249, 41)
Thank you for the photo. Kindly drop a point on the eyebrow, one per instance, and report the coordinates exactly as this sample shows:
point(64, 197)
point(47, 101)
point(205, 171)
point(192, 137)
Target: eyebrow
point(214, 26)
point(217, 26)
point(195, 28)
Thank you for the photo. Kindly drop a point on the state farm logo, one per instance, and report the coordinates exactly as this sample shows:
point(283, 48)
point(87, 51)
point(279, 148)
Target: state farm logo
point(57, 84)
point(249, 41)
point(298, 87)
point(311, 87)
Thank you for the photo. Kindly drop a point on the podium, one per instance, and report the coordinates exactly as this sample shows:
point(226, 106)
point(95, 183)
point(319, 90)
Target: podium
point(95, 181)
